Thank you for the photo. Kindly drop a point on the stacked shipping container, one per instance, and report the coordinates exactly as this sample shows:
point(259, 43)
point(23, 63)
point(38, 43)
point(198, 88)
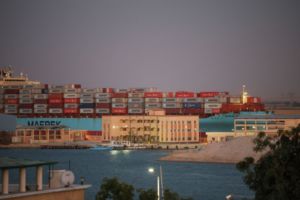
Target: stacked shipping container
point(74, 101)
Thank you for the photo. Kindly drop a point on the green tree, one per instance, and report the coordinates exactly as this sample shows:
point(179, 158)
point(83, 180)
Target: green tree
point(113, 189)
point(276, 175)
point(149, 194)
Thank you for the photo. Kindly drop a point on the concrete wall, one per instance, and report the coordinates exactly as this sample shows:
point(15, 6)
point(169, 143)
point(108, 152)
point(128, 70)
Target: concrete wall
point(77, 194)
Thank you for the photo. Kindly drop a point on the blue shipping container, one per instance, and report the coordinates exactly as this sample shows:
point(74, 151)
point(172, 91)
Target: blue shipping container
point(87, 105)
point(191, 105)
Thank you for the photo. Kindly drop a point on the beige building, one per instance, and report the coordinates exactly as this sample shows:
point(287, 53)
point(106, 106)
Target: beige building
point(270, 124)
point(45, 134)
point(151, 128)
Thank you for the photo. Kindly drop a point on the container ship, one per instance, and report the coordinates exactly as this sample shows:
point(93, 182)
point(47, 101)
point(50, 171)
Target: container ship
point(24, 98)
point(39, 104)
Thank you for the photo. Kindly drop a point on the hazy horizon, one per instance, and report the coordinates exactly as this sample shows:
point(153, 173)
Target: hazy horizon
point(171, 45)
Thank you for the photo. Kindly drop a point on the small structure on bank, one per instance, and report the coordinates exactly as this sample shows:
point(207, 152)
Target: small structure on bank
point(60, 182)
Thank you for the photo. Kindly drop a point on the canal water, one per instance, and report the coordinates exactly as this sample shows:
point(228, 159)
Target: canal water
point(201, 181)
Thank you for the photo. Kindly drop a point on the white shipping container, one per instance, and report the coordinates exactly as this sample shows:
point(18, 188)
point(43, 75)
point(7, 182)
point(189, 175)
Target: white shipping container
point(25, 91)
point(136, 100)
point(11, 96)
point(119, 100)
point(119, 105)
point(103, 110)
point(71, 105)
point(169, 100)
point(223, 99)
point(172, 105)
point(135, 110)
point(102, 100)
point(153, 105)
point(10, 106)
point(36, 91)
point(235, 100)
point(121, 90)
point(91, 91)
point(40, 96)
point(56, 90)
point(56, 87)
point(25, 96)
point(86, 100)
point(207, 110)
point(10, 111)
point(25, 110)
point(212, 100)
point(86, 95)
point(40, 110)
point(153, 100)
point(70, 95)
point(135, 95)
point(212, 105)
point(102, 95)
point(55, 110)
point(12, 86)
point(71, 90)
point(86, 110)
point(135, 105)
point(40, 106)
point(25, 101)
point(192, 100)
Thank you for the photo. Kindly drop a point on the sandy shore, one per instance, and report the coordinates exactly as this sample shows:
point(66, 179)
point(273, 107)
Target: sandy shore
point(231, 151)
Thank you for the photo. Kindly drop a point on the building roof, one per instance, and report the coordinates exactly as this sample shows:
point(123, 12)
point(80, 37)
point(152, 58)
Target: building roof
point(10, 163)
point(268, 116)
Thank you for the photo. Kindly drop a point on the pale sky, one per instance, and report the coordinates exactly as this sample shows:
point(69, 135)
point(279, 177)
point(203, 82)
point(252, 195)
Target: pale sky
point(169, 44)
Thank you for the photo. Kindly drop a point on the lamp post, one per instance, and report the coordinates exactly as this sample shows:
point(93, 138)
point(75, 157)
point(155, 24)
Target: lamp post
point(160, 189)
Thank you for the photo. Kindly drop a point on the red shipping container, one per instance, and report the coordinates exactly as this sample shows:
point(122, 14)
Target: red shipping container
point(253, 100)
point(40, 101)
point(56, 105)
point(55, 96)
point(25, 106)
point(11, 101)
point(11, 91)
point(55, 101)
point(119, 111)
point(168, 95)
point(107, 90)
point(216, 110)
point(71, 110)
point(103, 105)
point(171, 111)
point(119, 95)
point(153, 94)
point(77, 86)
point(226, 108)
point(190, 111)
point(72, 100)
point(182, 94)
point(207, 94)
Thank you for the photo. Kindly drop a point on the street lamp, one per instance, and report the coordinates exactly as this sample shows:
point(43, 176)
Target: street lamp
point(160, 189)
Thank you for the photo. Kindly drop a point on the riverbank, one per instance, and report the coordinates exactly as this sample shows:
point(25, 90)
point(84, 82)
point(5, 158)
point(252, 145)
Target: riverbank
point(231, 151)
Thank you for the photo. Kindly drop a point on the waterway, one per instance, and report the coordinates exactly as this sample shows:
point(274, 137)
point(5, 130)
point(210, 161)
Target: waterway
point(201, 181)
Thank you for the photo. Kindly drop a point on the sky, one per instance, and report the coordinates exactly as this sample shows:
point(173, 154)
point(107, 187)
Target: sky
point(194, 45)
